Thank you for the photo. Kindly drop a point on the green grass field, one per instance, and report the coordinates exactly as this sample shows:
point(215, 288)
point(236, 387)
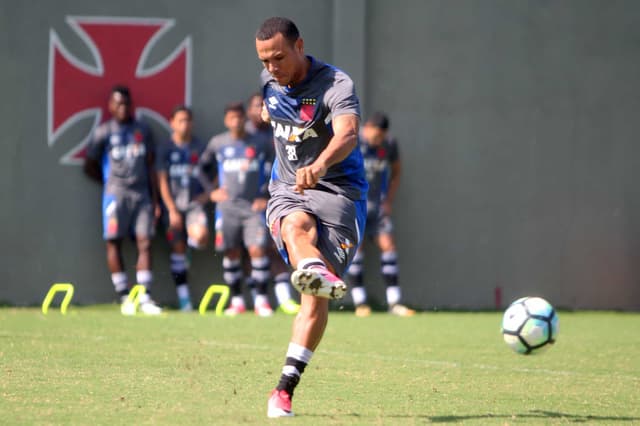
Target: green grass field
point(94, 366)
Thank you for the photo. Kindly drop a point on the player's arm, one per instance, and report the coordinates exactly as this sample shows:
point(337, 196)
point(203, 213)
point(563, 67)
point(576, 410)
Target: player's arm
point(208, 165)
point(153, 182)
point(95, 150)
point(394, 182)
point(175, 219)
point(92, 169)
point(165, 191)
point(344, 140)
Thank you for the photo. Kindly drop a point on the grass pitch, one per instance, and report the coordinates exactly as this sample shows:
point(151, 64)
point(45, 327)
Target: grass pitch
point(94, 366)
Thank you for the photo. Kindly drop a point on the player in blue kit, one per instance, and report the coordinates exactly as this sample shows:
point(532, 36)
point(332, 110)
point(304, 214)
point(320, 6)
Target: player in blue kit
point(317, 209)
point(184, 189)
point(382, 165)
point(120, 155)
point(241, 196)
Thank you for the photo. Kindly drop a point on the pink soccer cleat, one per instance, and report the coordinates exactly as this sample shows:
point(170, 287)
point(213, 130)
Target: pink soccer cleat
point(318, 282)
point(279, 404)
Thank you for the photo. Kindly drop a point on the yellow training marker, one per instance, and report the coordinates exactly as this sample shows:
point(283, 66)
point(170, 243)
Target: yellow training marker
point(130, 306)
point(67, 288)
point(220, 289)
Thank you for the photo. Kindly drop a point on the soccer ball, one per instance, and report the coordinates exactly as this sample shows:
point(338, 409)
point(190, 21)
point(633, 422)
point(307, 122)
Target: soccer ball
point(529, 324)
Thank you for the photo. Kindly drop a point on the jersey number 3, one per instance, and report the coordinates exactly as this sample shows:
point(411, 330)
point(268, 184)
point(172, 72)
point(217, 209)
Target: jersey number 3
point(291, 153)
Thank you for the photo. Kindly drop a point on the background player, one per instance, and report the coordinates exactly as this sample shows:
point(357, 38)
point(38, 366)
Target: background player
point(382, 165)
point(258, 127)
point(241, 199)
point(184, 191)
point(120, 154)
point(318, 188)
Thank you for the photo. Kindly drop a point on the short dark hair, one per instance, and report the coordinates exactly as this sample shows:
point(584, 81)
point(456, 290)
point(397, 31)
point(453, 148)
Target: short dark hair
point(379, 120)
point(275, 25)
point(122, 89)
point(235, 107)
point(181, 108)
point(253, 96)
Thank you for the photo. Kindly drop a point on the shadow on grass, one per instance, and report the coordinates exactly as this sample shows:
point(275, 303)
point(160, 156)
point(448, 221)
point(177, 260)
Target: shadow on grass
point(534, 414)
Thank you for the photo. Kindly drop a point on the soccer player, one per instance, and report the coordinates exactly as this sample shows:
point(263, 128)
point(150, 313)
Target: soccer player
point(279, 270)
point(241, 199)
point(184, 190)
point(317, 208)
point(382, 165)
point(120, 155)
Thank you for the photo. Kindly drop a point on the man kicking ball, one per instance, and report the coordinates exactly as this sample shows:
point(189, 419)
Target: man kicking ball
point(317, 209)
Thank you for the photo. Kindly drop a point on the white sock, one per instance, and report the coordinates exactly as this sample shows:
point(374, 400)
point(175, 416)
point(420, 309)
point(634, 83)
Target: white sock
point(393, 295)
point(299, 352)
point(260, 299)
point(119, 280)
point(282, 289)
point(237, 301)
point(144, 277)
point(183, 291)
point(359, 295)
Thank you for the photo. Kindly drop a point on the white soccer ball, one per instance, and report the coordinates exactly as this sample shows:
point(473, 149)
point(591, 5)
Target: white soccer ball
point(529, 324)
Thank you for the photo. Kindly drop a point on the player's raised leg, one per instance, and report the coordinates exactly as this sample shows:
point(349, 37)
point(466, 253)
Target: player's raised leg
point(311, 276)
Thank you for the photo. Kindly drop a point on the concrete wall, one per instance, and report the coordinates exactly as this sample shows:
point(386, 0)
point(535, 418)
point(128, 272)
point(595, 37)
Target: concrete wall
point(516, 122)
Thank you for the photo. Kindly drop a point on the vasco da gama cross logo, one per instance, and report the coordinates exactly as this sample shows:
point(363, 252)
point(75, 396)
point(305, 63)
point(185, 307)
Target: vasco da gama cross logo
point(120, 48)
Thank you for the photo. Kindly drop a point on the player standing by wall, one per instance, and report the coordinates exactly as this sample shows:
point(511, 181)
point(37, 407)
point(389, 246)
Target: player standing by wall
point(184, 191)
point(120, 155)
point(382, 165)
point(241, 199)
point(279, 270)
point(318, 189)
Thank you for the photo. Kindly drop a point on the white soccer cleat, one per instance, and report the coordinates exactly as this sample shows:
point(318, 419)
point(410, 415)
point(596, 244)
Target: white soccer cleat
point(318, 282)
point(150, 308)
point(401, 311)
point(235, 310)
point(263, 310)
point(128, 308)
point(279, 404)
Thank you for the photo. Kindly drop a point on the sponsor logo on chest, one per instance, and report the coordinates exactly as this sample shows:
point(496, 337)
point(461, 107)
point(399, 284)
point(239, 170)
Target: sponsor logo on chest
point(292, 133)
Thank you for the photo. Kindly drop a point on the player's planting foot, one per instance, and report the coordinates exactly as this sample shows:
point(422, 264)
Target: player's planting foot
point(279, 404)
point(363, 310)
point(401, 311)
point(234, 310)
point(318, 282)
point(290, 307)
point(263, 309)
point(149, 307)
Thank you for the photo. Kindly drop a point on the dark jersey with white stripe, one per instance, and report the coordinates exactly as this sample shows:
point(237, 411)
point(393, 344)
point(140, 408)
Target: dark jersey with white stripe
point(377, 165)
point(301, 120)
point(181, 163)
point(121, 149)
point(242, 165)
